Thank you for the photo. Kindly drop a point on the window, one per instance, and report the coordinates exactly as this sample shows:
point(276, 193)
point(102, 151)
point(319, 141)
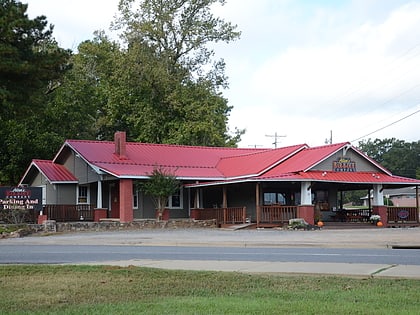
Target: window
point(135, 198)
point(271, 198)
point(83, 194)
point(175, 201)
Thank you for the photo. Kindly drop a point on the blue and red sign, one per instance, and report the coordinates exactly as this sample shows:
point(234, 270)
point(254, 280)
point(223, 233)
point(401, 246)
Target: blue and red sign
point(403, 214)
point(21, 198)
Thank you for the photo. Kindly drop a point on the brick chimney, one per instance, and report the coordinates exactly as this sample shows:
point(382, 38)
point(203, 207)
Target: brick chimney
point(120, 144)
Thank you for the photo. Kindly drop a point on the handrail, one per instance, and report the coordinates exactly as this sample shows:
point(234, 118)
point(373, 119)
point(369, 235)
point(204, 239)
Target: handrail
point(65, 213)
point(276, 214)
point(231, 215)
point(402, 214)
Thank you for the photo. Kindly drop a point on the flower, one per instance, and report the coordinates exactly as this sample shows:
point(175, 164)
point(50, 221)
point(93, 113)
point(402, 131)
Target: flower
point(375, 217)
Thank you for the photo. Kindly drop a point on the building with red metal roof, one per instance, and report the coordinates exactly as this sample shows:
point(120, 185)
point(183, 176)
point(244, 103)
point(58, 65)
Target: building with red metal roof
point(105, 175)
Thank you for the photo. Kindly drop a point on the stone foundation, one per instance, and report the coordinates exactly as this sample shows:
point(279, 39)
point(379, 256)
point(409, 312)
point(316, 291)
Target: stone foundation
point(110, 225)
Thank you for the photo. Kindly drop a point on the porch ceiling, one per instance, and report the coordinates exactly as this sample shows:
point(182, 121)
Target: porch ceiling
point(350, 180)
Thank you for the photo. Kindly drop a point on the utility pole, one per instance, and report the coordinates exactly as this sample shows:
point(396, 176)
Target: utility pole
point(329, 141)
point(275, 136)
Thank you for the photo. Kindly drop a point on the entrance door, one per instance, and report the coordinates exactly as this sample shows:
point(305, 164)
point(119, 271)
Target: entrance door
point(115, 201)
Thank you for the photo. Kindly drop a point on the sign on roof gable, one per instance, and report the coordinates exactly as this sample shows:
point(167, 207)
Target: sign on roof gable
point(348, 159)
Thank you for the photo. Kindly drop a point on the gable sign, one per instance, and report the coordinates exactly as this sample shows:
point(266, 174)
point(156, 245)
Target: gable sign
point(344, 165)
point(21, 198)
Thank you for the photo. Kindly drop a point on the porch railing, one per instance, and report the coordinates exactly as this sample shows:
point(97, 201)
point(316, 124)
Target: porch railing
point(276, 214)
point(233, 215)
point(65, 213)
point(358, 215)
point(403, 214)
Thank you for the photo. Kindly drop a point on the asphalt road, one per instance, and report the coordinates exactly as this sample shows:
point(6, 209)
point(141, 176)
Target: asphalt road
point(360, 253)
point(60, 254)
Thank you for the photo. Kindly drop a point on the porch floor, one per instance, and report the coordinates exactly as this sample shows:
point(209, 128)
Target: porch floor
point(347, 225)
point(327, 225)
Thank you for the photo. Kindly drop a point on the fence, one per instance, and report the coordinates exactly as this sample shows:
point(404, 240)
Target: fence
point(276, 214)
point(403, 214)
point(358, 215)
point(66, 213)
point(232, 215)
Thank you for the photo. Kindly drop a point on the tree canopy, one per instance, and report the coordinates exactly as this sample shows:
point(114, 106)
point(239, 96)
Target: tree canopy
point(31, 67)
point(160, 82)
point(161, 85)
point(400, 157)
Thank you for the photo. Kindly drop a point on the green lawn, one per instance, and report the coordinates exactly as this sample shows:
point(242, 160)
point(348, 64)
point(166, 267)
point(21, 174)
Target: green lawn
point(45, 289)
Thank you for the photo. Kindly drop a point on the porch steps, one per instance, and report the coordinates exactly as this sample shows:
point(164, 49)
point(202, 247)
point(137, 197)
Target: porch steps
point(235, 227)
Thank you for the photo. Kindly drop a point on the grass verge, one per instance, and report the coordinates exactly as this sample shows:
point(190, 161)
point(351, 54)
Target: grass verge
point(46, 289)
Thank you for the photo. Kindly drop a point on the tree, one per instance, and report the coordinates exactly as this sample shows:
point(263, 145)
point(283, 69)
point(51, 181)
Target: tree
point(165, 95)
point(31, 67)
point(400, 157)
point(78, 108)
point(30, 63)
point(178, 31)
point(160, 186)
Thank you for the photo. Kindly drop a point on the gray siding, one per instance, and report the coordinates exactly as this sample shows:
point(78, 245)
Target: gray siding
point(362, 165)
point(83, 172)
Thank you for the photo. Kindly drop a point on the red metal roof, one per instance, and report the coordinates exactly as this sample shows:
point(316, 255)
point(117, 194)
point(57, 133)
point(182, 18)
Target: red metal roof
point(141, 158)
point(213, 163)
point(55, 173)
point(305, 159)
point(255, 163)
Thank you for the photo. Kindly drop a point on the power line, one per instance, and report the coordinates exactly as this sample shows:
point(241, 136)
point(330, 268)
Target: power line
point(275, 136)
point(382, 128)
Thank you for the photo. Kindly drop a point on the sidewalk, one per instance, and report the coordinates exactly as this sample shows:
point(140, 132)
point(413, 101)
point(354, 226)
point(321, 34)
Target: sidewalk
point(337, 269)
point(346, 238)
point(369, 238)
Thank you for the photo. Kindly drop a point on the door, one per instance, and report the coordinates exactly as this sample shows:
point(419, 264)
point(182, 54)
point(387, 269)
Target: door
point(115, 201)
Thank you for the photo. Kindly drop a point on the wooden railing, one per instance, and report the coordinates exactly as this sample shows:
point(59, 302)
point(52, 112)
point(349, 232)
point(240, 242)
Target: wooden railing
point(234, 215)
point(66, 213)
point(358, 215)
point(276, 214)
point(403, 214)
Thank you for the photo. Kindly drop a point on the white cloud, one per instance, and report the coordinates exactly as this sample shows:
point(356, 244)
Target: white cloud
point(363, 75)
point(74, 20)
point(301, 68)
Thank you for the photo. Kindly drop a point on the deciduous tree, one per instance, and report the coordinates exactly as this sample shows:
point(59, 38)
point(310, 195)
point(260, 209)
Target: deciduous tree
point(400, 157)
point(31, 66)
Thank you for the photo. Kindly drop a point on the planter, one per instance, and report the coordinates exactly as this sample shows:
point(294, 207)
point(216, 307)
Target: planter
point(195, 214)
point(164, 216)
point(99, 214)
point(42, 218)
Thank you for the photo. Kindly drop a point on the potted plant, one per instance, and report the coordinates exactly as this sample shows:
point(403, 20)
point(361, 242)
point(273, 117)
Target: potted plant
point(160, 186)
point(375, 218)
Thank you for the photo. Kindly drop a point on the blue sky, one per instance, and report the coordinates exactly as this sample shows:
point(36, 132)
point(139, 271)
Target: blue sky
point(301, 68)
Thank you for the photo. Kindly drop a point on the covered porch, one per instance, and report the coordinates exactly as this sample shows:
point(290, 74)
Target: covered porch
point(273, 204)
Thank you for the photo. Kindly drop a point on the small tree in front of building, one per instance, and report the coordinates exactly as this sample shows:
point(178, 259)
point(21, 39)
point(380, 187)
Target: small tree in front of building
point(160, 186)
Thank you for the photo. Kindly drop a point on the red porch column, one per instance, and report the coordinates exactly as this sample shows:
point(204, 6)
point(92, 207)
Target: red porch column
point(42, 218)
point(126, 200)
point(306, 212)
point(383, 212)
point(99, 213)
